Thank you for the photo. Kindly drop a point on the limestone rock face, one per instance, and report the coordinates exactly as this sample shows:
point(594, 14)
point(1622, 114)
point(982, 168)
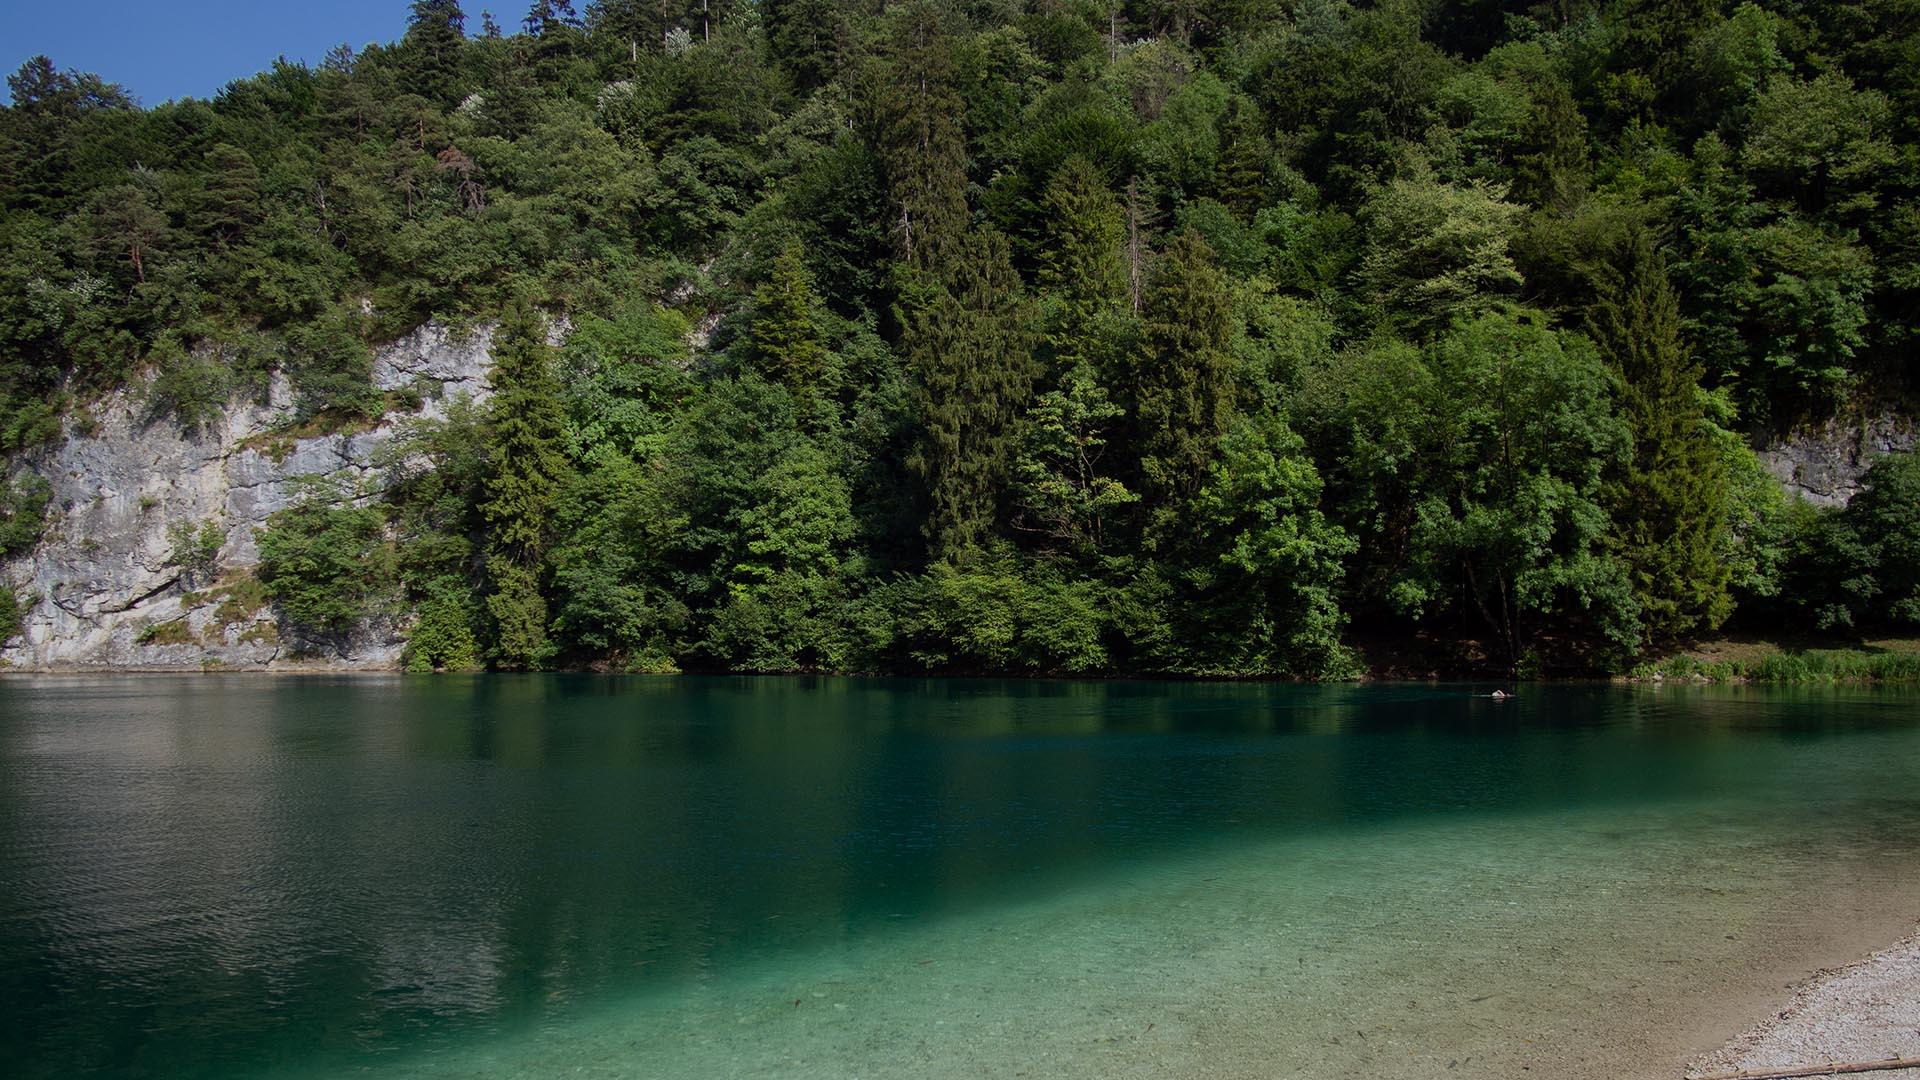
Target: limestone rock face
point(111, 592)
point(1825, 465)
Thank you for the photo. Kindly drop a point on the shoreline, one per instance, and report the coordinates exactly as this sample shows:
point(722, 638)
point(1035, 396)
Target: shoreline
point(1853, 669)
point(1865, 1011)
point(1732, 660)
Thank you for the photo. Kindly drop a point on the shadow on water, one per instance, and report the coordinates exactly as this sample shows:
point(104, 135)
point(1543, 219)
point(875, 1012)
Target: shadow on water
point(219, 875)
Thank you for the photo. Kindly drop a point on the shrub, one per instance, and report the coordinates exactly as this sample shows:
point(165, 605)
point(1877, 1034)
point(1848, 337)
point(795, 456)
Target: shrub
point(195, 549)
point(23, 514)
point(326, 560)
point(171, 632)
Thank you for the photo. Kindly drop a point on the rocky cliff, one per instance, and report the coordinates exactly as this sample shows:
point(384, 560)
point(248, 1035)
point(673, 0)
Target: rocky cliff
point(110, 583)
point(1824, 465)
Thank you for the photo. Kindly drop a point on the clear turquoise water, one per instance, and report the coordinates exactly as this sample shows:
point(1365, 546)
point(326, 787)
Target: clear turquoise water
point(507, 876)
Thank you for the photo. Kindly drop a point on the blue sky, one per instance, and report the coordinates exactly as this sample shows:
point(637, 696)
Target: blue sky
point(164, 49)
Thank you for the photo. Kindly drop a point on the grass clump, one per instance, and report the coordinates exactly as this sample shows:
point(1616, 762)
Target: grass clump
point(1784, 667)
point(171, 632)
point(241, 601)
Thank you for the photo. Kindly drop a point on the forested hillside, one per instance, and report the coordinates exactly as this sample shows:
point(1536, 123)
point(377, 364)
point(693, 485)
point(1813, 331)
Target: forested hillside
point(1161, 336)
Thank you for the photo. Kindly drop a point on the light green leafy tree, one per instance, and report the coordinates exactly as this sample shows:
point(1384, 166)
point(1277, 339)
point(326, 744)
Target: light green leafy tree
point(326, 560)
point(1063, 492)
point(1820, 143)
point(1510, 523)
point(1437, 252)
point(1265, 589)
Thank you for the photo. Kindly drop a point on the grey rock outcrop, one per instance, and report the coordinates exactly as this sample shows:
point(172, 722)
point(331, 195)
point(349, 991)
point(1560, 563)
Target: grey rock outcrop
point(1825, 465)
point(110, 590)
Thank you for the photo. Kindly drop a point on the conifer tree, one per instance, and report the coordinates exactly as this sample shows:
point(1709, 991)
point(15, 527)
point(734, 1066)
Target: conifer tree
point(524, 477)
point(435, 33)
point(971, 350)
point(786, 338)
point(554, 27)
point(1669, 509)
point(1182, 372)
point(807, 38)
point(542, 18)
point(126, 224)
point(635, 24)
point(230, 204)
point(1081, 266)
point(1653, 39)
point(1551, 159)
point(1141, 216)
point(1245, 155)
point(922, 145)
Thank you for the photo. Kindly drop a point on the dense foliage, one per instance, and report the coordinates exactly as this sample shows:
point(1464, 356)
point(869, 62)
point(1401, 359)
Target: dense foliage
point(1056, 335)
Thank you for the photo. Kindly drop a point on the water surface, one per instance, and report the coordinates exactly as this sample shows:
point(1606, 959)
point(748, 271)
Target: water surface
point(527, 876)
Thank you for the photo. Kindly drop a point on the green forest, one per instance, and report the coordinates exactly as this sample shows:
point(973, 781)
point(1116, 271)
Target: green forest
point(1248, 338)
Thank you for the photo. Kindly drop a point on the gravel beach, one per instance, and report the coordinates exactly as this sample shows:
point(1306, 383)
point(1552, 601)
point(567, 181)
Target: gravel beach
point(1869, 1011)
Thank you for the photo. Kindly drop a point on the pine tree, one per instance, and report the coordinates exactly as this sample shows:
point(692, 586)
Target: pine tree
point(126, 224)
point(1081, 266)
point(921, 143)
point(525, 473)
point(1669, 509)
point(971, 351)
point(541, 18)
point(555, 30)
point(436, 30)
point(807, 38)
point(786, 338)
point(1182, 374)
point(1654, 37)
point(230, 203)
point(1245, 157)
point(635, 24)
point(1550, 164)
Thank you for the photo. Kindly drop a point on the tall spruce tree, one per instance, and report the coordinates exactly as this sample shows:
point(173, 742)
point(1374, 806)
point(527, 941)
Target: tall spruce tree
point(230, 203)
point(436, 30)
point(1182, 379)
point(1669, 508)
point(808, 38)
point(525, 425)
point(970, 345)
point(787, 345)
point(636, 25)
point(1550, 161)
point(921, 141)
point(1082, 265)
point(1245, 159)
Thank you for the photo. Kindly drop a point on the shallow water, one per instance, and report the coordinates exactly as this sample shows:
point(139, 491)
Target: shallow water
point(506, 876)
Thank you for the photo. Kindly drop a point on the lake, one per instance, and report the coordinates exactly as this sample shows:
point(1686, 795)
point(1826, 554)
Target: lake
point(227, 876)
